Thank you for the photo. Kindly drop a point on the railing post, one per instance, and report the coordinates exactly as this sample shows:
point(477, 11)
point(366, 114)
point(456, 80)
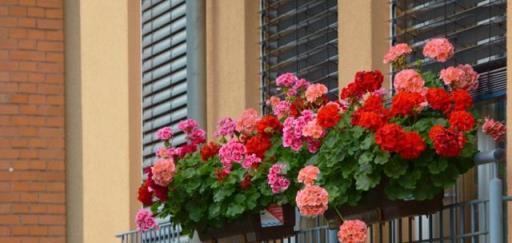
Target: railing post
point(495, 194)
point(333, 236)
point(495, 210)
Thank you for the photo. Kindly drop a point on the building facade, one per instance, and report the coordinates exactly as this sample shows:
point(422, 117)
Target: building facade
point(84, 83)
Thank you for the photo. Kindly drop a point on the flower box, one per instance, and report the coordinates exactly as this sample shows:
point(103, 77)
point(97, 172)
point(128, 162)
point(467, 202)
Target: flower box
point(261, 225)
point(376, 207)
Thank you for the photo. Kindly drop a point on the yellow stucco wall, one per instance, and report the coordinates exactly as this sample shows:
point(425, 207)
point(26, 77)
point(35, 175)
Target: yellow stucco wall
point(363, 32)
point(232, 58)
point(100, 132)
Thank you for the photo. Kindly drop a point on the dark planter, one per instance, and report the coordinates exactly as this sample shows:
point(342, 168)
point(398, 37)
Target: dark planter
point(376, 207)
point(251, 226)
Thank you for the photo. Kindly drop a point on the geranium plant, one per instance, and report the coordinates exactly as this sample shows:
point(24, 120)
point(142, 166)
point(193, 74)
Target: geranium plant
point(317, 154)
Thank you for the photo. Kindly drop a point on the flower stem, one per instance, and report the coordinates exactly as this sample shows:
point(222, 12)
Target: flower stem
point(339, 214)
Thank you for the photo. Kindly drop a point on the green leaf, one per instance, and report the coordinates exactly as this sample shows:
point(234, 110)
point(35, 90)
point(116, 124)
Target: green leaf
point(366, 158)
point(395, 167)
point(214, 210)
point(367, 142)
point(382, 158)
point(409, 180)
point(234, 210)
point(436, 166)
point(223, 193)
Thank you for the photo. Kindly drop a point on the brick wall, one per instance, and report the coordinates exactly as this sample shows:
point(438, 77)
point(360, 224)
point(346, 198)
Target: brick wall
point(32, 167)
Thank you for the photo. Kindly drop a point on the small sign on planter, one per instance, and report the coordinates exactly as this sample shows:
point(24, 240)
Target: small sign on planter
point(272, 223)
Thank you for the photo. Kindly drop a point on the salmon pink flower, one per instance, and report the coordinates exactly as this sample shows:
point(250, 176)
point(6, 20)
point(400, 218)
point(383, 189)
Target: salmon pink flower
point(145, 221)
point(409, 80)
point(353, 231)
point(495, 129)
point(308, 174)
point(246, 124)
point(397, 51)
point(439, 49)
point(313, 200)
point(163, 171)
point(315, 91)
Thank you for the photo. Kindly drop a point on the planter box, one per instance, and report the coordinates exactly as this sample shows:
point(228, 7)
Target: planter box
point(376, 207)
point(276, 222)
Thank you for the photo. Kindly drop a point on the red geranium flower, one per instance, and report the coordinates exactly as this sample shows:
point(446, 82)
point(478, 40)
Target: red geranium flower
point(328, 115)
point(268, 124)
point(404, 103)
point(374, 103)
point(412, 145)
point(296, 107)
point(209, 150)
point(369, 81)
point(438, 99)
point(220, 174)
point(144, 195)
point(462, 121)
point(389, 137)
point(447, 142)
point(246, 182)
point(258, 145)
point(462, 100)
point(160, 191)
point(351, 91)
point(368, 119)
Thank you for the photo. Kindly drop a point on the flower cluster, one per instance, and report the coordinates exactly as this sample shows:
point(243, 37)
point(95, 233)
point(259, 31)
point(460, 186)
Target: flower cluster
point(144, 220)
point(392, 138)
point(313, 200)
point(495, 129)
point(163, 171)
point(353, 231)
point(460, 77)
point(439, 49)
point(364, 81)
point(278, 183)
point(396, 52)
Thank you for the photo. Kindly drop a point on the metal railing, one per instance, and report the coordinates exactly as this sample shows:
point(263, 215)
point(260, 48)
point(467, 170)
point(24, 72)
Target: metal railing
point(166, 232)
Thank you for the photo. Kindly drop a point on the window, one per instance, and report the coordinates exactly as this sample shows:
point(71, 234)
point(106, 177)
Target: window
point(475, 27)
point(164, 71)
point(301, 37)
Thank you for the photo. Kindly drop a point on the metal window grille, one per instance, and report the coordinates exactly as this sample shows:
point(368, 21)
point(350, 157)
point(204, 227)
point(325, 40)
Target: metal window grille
point(299, 36)
point(164, 70)
point(477, 28)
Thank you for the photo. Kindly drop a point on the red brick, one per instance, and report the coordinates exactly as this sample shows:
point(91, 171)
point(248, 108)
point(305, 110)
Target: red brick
point(28, 2)
point(4, 11)
point(52, 219)
point(54, 13)
point(35, 34)
point(51, 197)
point(20, 230)
point(54, 57)
point(55, 78)
point(8, 2)
point(50, 67)
point(19, 76)
point(5, 208)
point(20, 208)
point(28, 197)
point(8, 87)
point(27, 45)
point(56, 230)
point(28, 88)
point(29, 219)
point(50, 46)
point(9, 219)
point(8, 44)
point(56, 165)
point(17, 11)
point(55, 187)
point(27, 66)
point(53, 89)
point(8, 109)
point(49, 24)
point(8, 22)
point(35, 12)
point(17, 33)
point(36, 77)
point(18, 99)
point(8, 66)
point(27, 22)
point(38, 230)
point(54, 35)
point(27, 55)
point(55, 100)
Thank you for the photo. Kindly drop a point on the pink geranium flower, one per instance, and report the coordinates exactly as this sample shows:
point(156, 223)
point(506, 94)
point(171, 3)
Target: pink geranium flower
point(312, 200)
point(409, 80)
point(439, 49)
point(308, 174)
point(163, 171)
point(164, 133)
point(313, 130)
point(451, 75)
point(247, 122)
point(275, 179)
point(315, 91)
point(397, 51)
point(226, 127)
point(286, 80)
point(144, 220)
point(353, 231)
point(495, 129)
